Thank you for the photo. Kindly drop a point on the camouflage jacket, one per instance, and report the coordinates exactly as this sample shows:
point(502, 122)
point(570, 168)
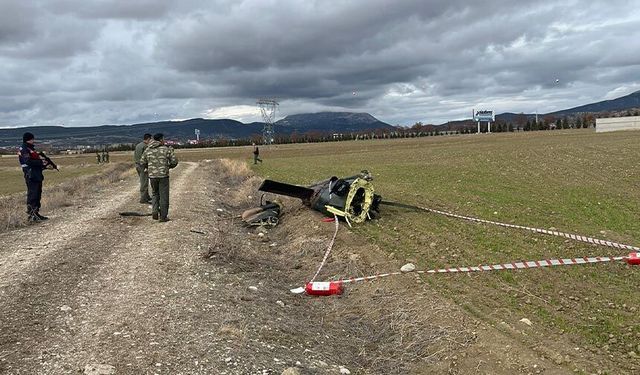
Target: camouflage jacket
point(158, 159)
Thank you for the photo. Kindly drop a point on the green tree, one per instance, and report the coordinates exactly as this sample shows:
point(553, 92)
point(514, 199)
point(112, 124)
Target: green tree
point(535, 125)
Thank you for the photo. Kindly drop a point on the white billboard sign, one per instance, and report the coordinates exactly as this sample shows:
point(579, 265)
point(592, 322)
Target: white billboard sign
point(483, 115)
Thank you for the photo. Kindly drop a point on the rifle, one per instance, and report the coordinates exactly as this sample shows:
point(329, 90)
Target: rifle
point(48, 160)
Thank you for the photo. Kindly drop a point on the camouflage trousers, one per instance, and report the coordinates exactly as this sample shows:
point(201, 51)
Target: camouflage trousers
point(160, 198)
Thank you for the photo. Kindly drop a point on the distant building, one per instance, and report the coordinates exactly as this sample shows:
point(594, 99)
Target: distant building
point(612, 124)
point(72, 152)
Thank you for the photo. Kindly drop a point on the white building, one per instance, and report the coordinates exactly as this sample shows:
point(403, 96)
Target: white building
point(612, 124)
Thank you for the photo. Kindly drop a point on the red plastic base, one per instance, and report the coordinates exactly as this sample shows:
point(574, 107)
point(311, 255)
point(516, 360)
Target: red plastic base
point(324, 288)
point(634, 259)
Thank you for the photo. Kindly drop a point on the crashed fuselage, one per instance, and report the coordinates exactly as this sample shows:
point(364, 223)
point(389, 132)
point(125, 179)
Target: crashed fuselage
point(351, 198)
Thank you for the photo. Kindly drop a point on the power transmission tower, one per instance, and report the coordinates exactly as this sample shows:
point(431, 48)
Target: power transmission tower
point(268, 109)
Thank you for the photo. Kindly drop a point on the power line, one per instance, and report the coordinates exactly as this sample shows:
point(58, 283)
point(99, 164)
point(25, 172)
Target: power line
point(268, 109)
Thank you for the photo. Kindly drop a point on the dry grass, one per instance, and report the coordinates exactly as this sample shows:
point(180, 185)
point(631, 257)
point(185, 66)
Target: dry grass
point(399, 335)
point(65, 194)
point(220, 247)
point(12, 212)
point(244, 184)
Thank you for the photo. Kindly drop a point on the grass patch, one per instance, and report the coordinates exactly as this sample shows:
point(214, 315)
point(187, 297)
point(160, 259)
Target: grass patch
point(63, 194)
point(575, 181)
point(13, 180)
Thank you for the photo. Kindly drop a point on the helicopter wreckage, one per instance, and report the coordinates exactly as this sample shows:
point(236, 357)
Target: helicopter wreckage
point(350, 198)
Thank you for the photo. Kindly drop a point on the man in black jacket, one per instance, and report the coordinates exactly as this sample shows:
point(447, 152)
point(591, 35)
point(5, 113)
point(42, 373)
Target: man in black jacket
point(256, 154)
point(32, 167)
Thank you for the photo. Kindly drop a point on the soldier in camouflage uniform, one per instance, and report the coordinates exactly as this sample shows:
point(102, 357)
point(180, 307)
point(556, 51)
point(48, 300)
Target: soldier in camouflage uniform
point(142, 172)
point(158, 159)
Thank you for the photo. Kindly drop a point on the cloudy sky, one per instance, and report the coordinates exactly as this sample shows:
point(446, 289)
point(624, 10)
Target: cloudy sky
point(92, 62)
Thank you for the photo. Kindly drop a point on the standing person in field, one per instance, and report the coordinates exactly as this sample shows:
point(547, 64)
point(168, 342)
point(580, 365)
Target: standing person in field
point(32, 167)
point(158, 159)
point(142, 172)
point(98, 157)
point(256, 154)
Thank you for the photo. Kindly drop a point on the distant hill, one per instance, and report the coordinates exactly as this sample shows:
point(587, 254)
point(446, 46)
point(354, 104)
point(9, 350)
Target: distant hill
point(631, 101)
point(60, 136)
point(619, 104)
point(324, 122)
point(331, 122)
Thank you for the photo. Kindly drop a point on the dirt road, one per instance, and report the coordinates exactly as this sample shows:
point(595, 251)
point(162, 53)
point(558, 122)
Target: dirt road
point(92, 292)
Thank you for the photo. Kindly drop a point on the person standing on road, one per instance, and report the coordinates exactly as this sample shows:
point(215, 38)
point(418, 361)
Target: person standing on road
point(32, 167)
point(142, 172)
point(256, 154)
point(158, 159)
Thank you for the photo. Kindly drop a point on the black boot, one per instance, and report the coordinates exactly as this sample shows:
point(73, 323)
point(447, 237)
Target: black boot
point(41, 217)
point(33, 215)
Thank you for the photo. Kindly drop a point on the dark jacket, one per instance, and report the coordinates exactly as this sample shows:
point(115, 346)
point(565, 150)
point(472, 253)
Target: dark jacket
point(137, 154)
point(31, 163)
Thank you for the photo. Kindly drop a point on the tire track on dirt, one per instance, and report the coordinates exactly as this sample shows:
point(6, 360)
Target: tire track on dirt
point(148, 301)
point(135, 317)
point(39, 288)
point(23, 248)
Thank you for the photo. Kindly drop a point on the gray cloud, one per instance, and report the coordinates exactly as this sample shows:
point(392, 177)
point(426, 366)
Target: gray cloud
point(111, 9)
point(115, 61)
point(16, 23)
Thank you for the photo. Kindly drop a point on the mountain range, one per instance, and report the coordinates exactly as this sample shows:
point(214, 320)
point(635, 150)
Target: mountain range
point(322, 122)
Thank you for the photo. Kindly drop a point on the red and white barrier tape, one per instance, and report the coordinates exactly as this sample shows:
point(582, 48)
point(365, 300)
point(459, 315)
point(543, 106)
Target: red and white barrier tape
point(575, 237)
point(631, 259)
point(328, 251)
point(336, 286)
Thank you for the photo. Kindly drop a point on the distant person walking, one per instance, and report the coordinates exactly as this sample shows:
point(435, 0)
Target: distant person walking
point(256, 154)
point(142, 171)
point(158, 159)
point(105, 156)
point(32, 167)
point(98, 157)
